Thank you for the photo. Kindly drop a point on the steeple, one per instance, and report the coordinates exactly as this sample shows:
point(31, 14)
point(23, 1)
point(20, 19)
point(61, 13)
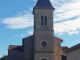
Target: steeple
point(43, 31)
point(43, 16)
point(43, 4)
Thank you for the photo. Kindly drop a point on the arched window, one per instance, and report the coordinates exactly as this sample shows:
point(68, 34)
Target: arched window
point(45, 20)
point(41, 20)
point(43, 59)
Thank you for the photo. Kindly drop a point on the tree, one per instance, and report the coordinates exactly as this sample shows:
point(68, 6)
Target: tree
point(5, 57)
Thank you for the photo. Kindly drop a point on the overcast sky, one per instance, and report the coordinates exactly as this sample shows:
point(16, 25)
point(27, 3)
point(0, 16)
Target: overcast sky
point(16, 22)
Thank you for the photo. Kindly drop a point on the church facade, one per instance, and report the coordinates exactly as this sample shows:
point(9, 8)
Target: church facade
point(42, 45)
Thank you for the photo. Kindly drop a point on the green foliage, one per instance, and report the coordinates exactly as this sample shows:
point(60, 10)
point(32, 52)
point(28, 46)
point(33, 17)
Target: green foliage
point(5, 57)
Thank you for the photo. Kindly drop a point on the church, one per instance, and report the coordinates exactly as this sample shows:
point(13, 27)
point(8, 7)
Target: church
point(42, 45)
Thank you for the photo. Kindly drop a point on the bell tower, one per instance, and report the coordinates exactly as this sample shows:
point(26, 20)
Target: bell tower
point(43, 15)
point(43, 30)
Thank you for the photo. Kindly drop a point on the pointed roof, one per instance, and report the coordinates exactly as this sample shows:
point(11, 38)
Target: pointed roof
point(43, 4)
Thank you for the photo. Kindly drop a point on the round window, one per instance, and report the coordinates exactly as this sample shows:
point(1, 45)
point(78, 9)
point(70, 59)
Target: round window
point(44, 43)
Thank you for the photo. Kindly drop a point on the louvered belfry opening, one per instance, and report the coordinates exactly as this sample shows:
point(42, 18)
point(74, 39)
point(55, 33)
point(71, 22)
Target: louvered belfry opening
point(45, 20)
point(41, 20)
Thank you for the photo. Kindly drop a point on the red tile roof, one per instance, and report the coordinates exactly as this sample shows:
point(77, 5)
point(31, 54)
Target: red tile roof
point(64, 48)
point(12, 46)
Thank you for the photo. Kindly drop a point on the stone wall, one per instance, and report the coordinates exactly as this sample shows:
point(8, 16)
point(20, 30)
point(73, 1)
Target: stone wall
point(28, 48)
point(57, 48)
point(20, 56)
point(37, 19)
point(74, 55)
point(43, 51)
point(12, 55)
point(46, 36)
point(40, 56)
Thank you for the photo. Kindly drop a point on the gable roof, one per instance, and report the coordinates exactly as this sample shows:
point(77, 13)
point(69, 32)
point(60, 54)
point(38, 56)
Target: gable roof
point(43, 4)
point(73, 48)
point(58, 39)
point(20, 48)
point(54, 38)
point(16, 47)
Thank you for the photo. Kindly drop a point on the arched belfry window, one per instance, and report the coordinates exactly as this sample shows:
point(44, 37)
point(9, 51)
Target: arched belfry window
point(45, 20)
point(41, 20)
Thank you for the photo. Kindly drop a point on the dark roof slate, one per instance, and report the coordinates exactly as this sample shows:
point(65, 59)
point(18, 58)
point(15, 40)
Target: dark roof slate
point(73, 48)
point(43, 4)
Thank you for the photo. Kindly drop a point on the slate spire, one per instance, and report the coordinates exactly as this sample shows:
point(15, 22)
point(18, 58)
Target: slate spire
point(43, 4)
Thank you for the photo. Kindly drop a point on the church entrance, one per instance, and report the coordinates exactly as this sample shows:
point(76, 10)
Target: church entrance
point(43, 59)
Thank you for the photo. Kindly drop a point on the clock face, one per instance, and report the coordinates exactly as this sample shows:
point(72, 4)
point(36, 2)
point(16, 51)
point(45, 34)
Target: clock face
point(44, 43)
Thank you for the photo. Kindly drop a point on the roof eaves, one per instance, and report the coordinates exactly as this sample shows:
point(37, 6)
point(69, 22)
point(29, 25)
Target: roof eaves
point(72, 48)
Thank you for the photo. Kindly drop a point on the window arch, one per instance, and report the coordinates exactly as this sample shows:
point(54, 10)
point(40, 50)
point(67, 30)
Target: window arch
point(45, 20)
point(43, 59)
point(41, 20)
